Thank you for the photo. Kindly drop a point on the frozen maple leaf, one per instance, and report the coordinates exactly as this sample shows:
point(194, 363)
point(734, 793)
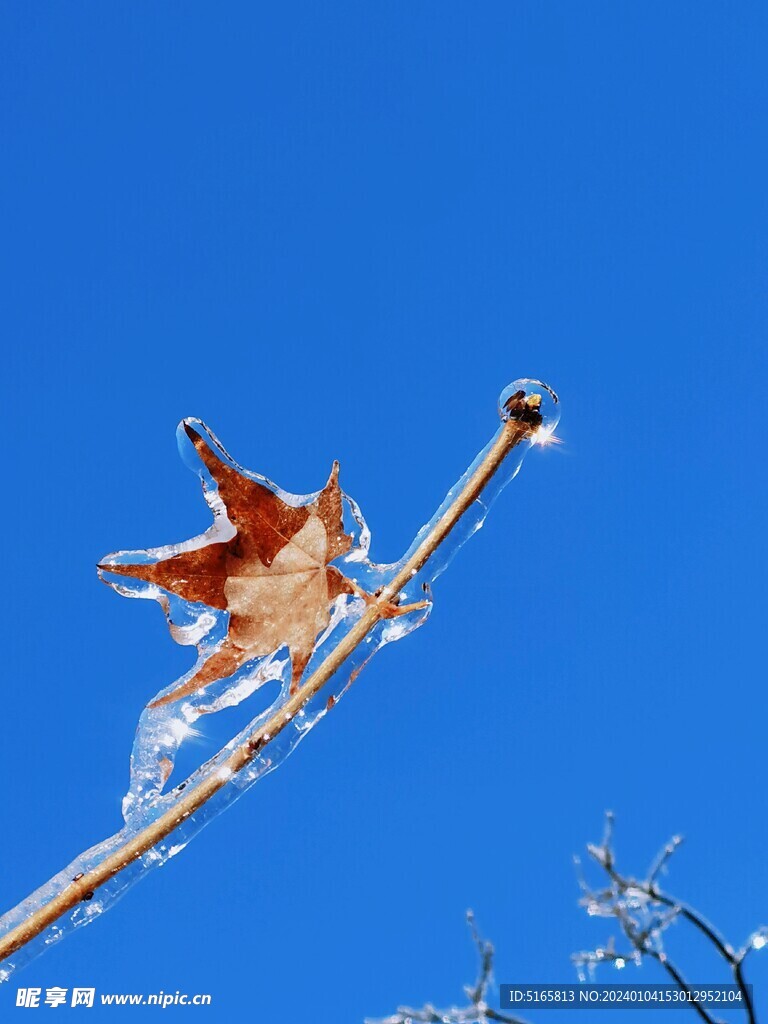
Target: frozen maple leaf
point(272, 575)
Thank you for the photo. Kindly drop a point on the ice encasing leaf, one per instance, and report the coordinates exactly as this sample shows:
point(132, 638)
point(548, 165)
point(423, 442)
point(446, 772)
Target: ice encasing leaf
point(258, 594)
point(273, 575)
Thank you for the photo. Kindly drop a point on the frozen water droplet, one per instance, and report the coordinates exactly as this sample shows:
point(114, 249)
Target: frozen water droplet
point(530, 401)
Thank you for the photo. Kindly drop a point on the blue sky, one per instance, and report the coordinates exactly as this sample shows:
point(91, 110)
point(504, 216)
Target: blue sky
point(338, 230)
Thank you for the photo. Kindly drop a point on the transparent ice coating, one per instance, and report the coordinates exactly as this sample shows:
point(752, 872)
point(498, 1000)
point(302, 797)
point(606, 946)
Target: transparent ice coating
point(165, 727)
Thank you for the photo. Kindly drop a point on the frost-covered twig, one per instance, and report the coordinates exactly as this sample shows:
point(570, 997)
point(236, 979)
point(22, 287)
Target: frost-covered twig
point(476, 1011)
point(644, 912)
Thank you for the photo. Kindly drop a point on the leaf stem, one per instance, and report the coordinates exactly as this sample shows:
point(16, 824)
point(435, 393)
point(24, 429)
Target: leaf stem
point(511, 434)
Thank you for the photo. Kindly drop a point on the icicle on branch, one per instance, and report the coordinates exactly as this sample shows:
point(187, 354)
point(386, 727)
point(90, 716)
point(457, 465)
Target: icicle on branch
point(280, 590)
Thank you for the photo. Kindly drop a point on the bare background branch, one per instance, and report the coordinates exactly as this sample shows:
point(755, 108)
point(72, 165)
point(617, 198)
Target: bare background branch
point(643, 912)
point(476, 1011)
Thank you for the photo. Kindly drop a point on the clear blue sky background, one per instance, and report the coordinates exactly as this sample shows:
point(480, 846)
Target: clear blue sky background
point(338, 230)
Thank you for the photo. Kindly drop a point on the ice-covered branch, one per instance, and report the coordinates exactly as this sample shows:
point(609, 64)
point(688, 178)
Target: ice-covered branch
point(476, 1011)
point(279, 590)
point(644, 912)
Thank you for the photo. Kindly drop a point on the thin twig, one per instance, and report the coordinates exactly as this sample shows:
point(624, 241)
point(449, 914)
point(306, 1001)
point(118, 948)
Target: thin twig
point(660, 864)
point(477, 1012)
point(682, 984)
point(513, 431)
